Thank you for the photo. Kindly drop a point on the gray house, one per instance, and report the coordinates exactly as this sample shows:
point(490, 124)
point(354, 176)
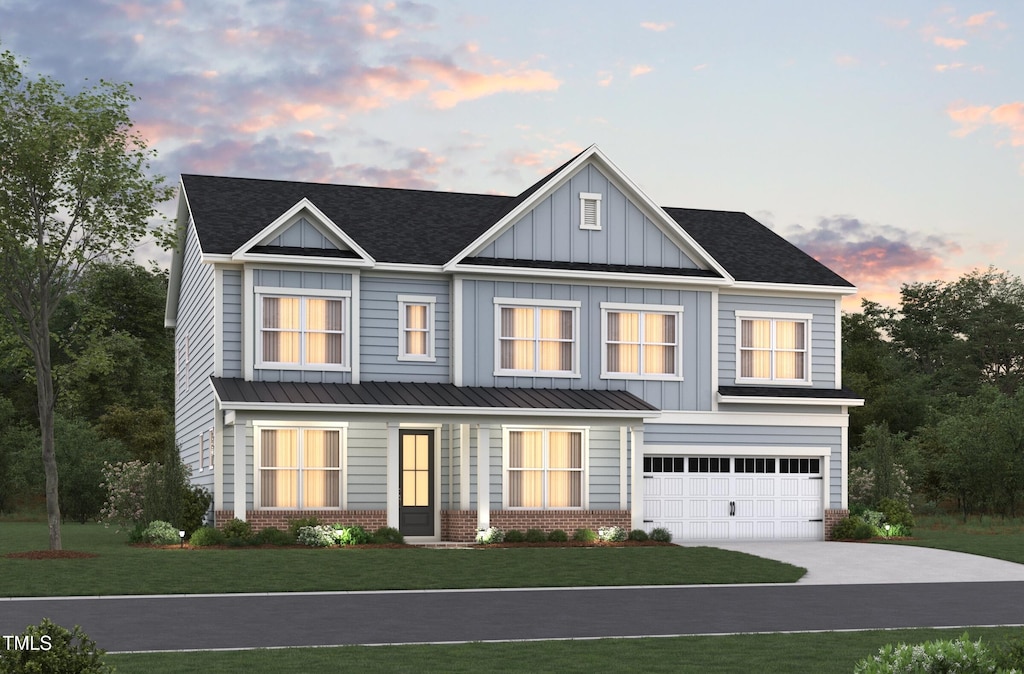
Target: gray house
point(574, 356)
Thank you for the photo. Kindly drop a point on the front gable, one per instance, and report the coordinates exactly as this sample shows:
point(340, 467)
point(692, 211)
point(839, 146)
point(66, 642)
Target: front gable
point(588, 215)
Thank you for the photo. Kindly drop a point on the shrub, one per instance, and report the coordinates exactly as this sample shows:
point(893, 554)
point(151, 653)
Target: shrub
point(584, 535)
point(238, 532)
point(661, 535)
point(873, 517)
point(638, 535)
point(558, 536)
point(897, 512)
point(318, 536)
point(69, 651)
point(160, 533)
point(852, 528)
point(490, 535)
point(1010, 654)
point(273, 536)
point(611, 534)
point(957, 655)
point(295, 525)
point(206, 536)
point(354, 535)
point(195, 502)
point(535, 536)
point(387, 535)
point(514, 536)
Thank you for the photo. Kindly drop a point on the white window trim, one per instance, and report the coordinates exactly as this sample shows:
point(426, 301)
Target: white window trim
point(259, 426)
point(584, 462)
point(260, 292)
point(429, 302)
point(773, 316)
point(572, 305)
point(622, 307)
point(584, 198)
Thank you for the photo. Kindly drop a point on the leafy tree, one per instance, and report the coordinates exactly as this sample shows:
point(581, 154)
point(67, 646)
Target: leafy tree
point(74, 189)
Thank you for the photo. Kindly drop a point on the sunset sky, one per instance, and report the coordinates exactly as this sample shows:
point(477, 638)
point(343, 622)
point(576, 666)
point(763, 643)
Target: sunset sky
point(886, 139)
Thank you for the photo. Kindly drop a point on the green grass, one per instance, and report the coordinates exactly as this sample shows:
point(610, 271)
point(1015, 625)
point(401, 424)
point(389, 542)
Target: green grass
point(820, 653)
point(123, 569)
point(1002, 538)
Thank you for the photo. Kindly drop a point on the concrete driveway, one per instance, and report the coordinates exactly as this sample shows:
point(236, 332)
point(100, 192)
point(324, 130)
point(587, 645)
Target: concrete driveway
point(833, 563)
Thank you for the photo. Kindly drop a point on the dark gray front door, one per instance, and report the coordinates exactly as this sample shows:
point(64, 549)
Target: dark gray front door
point(416, 482)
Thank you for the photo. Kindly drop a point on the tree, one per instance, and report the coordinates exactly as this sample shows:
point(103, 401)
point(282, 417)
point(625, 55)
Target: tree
point(74, 189)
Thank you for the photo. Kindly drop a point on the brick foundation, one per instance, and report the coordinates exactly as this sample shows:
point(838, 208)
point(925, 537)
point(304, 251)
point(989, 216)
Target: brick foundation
point(261, 519)
point(460, 525)
point(832, 518)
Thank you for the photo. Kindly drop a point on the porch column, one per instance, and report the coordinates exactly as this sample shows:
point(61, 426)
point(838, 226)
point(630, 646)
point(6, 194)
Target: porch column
point(464, 495)
point(241, 450)
point(636, 501)
point(391, 469)
point(483, 477)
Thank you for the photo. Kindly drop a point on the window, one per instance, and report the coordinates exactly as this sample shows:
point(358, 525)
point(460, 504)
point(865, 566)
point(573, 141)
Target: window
point(536, 339)
point(303, 331)
point(545, 469)
point(590, 210)
point(416, 328)
point(641, 341)
point(299, 468)
point(773, 348)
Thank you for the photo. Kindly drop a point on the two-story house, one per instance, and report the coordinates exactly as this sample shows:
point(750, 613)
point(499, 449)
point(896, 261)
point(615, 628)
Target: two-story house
point(574, 356)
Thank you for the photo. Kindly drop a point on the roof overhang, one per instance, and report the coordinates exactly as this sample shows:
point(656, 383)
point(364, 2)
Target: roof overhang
point(182, 222)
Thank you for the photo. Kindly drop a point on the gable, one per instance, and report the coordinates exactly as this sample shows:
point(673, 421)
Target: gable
point(619, 233)
point(304, 234)
point(304, 230)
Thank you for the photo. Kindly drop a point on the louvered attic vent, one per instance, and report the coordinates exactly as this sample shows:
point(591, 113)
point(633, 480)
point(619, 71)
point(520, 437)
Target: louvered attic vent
point(590, 210)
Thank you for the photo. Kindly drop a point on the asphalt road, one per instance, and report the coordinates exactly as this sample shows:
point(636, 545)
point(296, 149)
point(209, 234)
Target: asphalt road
point(248, 621)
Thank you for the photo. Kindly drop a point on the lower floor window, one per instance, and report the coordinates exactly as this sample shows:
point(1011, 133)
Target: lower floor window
point(545, 469)
point(300, 468)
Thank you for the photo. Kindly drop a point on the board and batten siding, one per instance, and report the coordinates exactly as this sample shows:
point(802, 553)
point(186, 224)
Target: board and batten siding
point(231, 322)
point(378, 318)
point(303, 281)
point(823, 333)
point(479, 341)
point(736, 437)
point(551, 230)
point(194, 332)
point(302, 234)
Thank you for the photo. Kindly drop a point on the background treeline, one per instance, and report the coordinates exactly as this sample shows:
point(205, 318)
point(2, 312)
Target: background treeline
point(114, 376)
point(943, 425)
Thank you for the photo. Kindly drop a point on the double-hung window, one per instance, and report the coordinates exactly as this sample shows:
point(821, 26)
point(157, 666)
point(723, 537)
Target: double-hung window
point(536, 338)
point(545, 468)
point(773, 348)
point(641, 341)
point(416, 328)
point(299, 467)
point(303, 331)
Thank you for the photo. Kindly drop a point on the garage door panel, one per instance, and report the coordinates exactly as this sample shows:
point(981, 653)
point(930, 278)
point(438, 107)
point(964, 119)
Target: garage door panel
point(766, 486)
point(765, 509)
point(745, 486)
point(698, 486)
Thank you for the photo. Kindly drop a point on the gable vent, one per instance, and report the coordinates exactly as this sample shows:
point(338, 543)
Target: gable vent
point(590, 210)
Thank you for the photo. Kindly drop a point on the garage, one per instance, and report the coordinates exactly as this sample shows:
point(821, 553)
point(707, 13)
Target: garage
point(701, 498)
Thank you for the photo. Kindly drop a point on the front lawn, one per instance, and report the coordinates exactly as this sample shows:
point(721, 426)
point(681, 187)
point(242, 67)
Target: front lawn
point(122, 569)
point(1002, 538)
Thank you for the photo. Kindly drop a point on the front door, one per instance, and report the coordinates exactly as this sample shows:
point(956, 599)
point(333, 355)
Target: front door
point(416, 483)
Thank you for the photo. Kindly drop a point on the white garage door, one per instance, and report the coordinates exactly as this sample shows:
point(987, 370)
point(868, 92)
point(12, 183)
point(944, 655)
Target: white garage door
point(732, 497)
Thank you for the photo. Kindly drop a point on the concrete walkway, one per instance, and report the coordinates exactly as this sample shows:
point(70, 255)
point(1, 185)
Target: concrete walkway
point(832, 563)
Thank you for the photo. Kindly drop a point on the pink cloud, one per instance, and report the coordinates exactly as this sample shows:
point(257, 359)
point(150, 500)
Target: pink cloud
point(657, 27)
point(949, 42)
point(702, 66)
point(606, 78)
point(638, 70)
point(979, 19)
point(464, 85)
point(846, 61)
point(943, 67)
point(1007, 118)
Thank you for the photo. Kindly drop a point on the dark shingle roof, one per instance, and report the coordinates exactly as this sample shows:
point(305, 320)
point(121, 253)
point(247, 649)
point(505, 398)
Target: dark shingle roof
point(788, 392)
point(427, 395)
point(423, 227)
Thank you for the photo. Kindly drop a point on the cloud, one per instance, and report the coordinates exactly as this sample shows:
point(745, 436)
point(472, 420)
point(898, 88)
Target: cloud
point(465, 85)
point(846, 61)
point(640, 69)
point(898, 24)
point(1006, 119)
point(699, 67)
point(606, 78)
point(657, 27)
point(875, 258)
point(943, 67)
point(952, 43)
point(976, 20)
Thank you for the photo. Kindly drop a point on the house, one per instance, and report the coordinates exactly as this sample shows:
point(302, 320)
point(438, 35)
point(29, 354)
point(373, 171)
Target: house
point(574, 356)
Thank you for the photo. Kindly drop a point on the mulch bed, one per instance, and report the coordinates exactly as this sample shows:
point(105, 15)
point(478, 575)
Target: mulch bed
point(577, 544)
point(50, 554)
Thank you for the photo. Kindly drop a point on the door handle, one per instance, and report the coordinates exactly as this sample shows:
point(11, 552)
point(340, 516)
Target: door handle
point(732, 508)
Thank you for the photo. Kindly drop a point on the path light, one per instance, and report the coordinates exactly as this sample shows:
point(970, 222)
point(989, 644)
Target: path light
point(181, 537)
point(887, 530)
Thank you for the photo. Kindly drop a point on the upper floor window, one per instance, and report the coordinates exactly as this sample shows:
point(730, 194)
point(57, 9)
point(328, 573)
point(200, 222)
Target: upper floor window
point(536, 337)
point(416, 328)
point(641, 341)
point(773, 348)
point(303, 331)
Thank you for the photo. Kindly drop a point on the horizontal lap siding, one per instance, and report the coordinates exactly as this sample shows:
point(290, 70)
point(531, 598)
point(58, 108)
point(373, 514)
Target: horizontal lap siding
point(379, 329)
point(823, 333)
point(367, 466)
point(604, 468)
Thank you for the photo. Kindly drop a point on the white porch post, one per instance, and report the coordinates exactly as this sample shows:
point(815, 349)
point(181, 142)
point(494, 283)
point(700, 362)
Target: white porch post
point(483, 477)
point(241, 450)
point(636, 505)
point(392, 467)
point(464, 456)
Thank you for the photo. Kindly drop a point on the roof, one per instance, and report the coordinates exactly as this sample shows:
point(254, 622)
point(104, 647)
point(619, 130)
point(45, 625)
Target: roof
point(420, 395)
point(841, 396)
point(426, 227)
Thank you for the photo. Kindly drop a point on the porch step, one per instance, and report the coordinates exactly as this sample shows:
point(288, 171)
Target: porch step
point(444, 544)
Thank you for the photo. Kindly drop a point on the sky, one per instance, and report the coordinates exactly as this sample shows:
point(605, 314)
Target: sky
point(885, 139)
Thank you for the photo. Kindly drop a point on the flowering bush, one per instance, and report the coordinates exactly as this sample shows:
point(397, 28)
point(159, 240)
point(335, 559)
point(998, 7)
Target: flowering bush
point(327, 535)
point(160, 533)
point(126, 489)
point(958, 655)
point(611, 534)
point(490, 535)
point(138, 493)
